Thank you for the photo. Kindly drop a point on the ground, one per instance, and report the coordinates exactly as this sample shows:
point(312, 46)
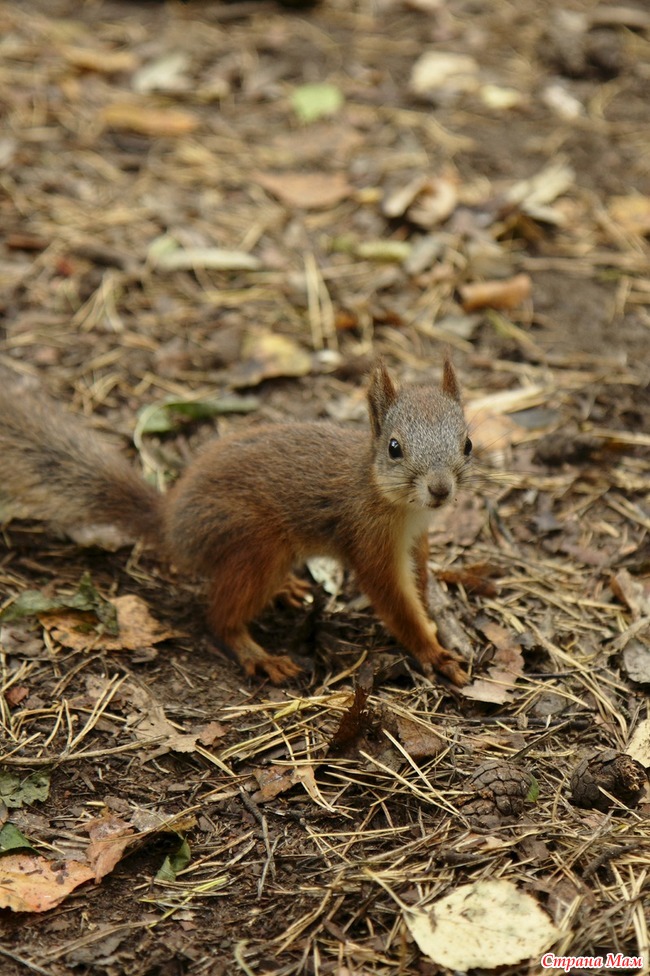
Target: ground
point(309, 826)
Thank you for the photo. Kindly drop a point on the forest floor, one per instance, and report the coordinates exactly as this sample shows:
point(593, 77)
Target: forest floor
point(185, 219)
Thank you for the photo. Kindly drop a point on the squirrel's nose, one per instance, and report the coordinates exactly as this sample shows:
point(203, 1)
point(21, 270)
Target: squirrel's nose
point(440, 490)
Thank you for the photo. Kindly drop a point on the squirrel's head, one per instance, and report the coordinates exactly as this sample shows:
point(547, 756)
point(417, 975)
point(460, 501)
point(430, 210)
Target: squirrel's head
point(421, 446)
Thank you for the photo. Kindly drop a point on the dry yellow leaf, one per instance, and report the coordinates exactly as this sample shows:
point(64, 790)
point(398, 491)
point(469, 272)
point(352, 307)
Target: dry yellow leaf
point(30, 883)
point(149, 120)
point(103, 62)
point(498, 293)
point(138, 628)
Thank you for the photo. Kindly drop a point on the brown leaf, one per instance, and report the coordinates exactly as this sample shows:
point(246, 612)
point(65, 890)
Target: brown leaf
point(109, 838)
point(507, 665)
point(419, 740)
point(16, 694)
point(272, 782)
point(101, 61)
point(150, 724)
point(634, 593)
point(474, 578)
point(30, 883)
point(497, 293)
point(355, 722)
point(148, 120)
point(211, 732)
point(268, 355)
point(308, 191)
point(138, 628)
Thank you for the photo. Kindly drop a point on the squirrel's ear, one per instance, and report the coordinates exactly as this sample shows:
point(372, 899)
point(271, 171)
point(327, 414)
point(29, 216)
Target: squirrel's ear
point(382, 394)
point(450, 384)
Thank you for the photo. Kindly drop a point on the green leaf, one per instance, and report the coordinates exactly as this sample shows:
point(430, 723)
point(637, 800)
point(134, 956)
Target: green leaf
point(14, 793)
point(312, 102)
point(386, 250)
point(161, 418)
point(175, 863)
point(533, 791)
point(31, 603)
point(11, 839)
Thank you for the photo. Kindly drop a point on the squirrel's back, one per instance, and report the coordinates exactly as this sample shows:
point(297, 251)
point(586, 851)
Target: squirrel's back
point(56, 468)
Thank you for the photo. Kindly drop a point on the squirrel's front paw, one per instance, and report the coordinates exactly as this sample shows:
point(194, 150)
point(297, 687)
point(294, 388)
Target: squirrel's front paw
point(438, 658)
point(449, 666)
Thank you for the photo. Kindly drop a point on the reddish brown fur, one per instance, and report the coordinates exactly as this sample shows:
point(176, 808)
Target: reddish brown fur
point(255, 504)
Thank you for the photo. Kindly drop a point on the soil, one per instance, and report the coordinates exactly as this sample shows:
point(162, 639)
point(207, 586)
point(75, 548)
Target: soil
point(317, 816)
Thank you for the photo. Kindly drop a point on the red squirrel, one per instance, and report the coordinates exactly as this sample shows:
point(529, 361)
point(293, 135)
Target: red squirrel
point(258, 502)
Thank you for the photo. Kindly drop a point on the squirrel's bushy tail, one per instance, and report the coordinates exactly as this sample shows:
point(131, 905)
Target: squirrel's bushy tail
point(55, 468)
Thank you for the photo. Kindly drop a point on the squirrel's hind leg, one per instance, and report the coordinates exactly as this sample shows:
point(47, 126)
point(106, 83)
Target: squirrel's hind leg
point(236, 594)
point(254, 659)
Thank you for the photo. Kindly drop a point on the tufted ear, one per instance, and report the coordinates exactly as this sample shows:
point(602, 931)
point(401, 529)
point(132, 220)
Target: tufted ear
point(450, 384)
point(382, 394)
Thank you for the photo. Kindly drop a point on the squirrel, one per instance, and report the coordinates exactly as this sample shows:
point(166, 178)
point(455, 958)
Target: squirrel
point(255, 503)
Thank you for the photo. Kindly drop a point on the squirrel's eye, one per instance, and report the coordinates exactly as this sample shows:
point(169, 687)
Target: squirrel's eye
point(467, 450)
point(394, 450)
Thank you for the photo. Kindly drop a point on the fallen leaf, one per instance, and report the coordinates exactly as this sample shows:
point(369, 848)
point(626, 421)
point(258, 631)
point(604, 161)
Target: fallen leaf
point(11, 839)
point(562, 102)
point(174, 863)
point(137, 629)
point(15, 792)
point(636, 660)
point(149, 723)
point(164, 74)
point(632, 212)
point(312, 102)
point(86, 598)
point(426, 201)
point(533, 196)
point(162, 418)
point(477, 578)
point(16, 694)
point(383, 250)
point(209, 733)
point(308, 191)
point(355, 723)
point(434, 70)
point(272, 782)
point(497, 293)
point(506, 667)
point(305, 776)
point(109, 838)
point(639, 745)
point(100, 61)
point(267, 355)
point(29, 883)
point(418, 738)
point(500, 98)
point(482, 926)
point(212, 258)
point(634, 593)
point(149, 120)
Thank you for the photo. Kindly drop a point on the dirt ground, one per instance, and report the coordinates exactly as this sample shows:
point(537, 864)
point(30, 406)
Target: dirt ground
point(182, 218)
